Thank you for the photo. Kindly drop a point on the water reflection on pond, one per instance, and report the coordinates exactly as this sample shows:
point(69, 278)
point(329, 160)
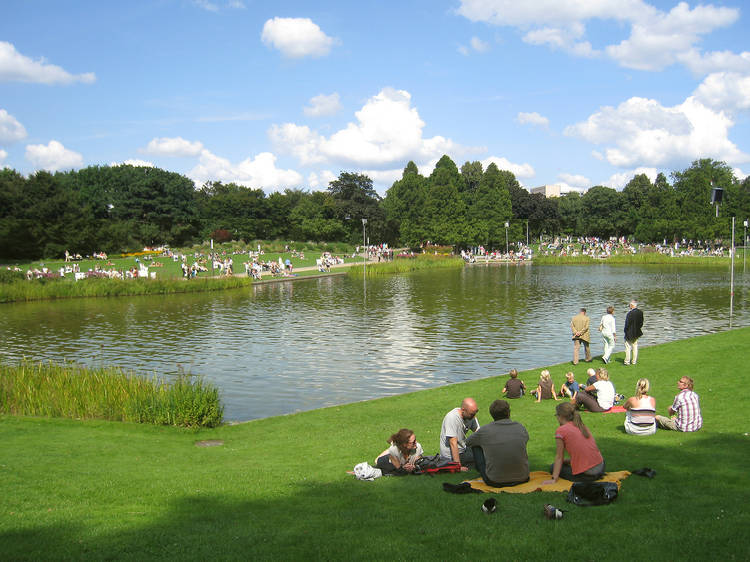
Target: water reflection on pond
point(285, 347)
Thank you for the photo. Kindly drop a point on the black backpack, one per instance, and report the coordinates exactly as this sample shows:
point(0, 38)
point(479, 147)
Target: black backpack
point(592, 493)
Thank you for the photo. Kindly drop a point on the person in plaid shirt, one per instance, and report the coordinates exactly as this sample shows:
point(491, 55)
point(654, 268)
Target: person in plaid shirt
point(686, 407)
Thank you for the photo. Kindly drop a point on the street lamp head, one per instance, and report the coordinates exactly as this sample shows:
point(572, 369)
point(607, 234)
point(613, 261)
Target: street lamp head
point(745, 223)
point(364, 221)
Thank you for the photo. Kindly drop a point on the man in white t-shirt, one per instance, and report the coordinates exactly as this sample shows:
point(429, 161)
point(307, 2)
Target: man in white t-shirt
point(456, 424)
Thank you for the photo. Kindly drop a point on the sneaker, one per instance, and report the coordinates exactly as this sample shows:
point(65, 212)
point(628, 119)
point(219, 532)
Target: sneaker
point(606, 361)
point(626, 363)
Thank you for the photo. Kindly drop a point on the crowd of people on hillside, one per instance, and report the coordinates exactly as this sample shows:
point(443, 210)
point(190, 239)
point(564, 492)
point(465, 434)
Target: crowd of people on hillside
point(520, 252)
point(606, 247)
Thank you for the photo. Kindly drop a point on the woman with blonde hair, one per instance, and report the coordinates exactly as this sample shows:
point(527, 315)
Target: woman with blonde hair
point(640, 418)
point(572, 437)
point(597, 397)
point(545, 390)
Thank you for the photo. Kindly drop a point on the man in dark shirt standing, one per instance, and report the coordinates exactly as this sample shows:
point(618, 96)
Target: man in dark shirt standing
point(633, 325)
point(500, 448)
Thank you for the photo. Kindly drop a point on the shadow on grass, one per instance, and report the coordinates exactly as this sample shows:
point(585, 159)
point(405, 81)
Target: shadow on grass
point(696, 505)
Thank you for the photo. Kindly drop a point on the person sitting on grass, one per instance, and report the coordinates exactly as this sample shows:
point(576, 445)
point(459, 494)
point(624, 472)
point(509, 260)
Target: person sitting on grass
point(641, 411)
point(569, 387)
point(686, 407)
point(514, 388)
point(499, 448)
point(605, 394)
point(403, 452)
point(586, 462)
point(545, 390)
point(591, 374)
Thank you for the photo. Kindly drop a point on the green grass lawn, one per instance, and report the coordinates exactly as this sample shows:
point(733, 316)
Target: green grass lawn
point(278, 489)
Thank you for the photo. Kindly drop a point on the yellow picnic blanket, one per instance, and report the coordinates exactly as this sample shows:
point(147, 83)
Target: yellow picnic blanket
point(535, 483)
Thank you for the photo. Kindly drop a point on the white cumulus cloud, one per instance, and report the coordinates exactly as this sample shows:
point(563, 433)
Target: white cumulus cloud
point(642, 132)
point(10, 129)
point(519, 170)
point(174, 146)
point(296, 37)
point(323, 105)
point(657, 38)
point(727, 91)
point(3, 155)
point(620, 180)
point(387, 133)
point(320, 180)
point(658, 41)
point(15, 67)
point(575, 180)
point(532, 118)
point(52, 157)
point(258, 173)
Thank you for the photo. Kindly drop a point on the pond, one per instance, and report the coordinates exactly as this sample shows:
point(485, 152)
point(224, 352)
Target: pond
point(285, 347)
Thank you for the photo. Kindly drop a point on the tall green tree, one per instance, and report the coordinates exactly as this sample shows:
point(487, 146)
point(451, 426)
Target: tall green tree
point(404, 205)
point(693, 188)
point(490, 209)
point(314, 217)
point(356, 199)
point(445, 211)
point(601, 208)
point(570, 209)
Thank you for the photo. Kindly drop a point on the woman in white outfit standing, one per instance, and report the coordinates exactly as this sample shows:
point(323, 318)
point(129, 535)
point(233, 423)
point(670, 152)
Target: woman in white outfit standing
point(608, 330)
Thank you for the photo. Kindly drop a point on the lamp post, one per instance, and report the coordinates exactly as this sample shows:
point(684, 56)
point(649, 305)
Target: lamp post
point(364, 243)
point(744, 248)
point(507, 224)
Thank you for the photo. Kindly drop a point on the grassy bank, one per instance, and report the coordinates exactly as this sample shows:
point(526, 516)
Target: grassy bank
point(69, 391)
point(650, 258)
point(405, 265)
point(277, 488)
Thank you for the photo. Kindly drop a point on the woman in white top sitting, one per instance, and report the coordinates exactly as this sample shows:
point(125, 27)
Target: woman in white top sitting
point(597, 397)
point(641, 411)
point(608, 330)
point(403, 452)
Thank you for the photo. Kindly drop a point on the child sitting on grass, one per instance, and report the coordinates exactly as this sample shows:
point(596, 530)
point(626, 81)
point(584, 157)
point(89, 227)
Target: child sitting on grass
point(545, 390)
point(569, 387)
point(514, 388)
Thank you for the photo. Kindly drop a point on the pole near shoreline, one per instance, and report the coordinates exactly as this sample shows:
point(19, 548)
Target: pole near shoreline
point(731, 280)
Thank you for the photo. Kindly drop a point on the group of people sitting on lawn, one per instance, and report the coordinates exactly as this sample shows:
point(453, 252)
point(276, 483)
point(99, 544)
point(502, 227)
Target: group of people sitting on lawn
point(498, 449)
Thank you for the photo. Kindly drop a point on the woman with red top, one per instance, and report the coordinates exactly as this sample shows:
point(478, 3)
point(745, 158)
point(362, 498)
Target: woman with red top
point(586, 462)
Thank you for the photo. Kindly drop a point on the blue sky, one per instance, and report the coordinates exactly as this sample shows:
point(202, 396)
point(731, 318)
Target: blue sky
point(289, 94)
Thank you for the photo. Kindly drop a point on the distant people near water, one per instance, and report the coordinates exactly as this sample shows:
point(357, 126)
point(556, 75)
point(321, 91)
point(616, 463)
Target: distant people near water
point(545, 390)
point(572, 437)
point(403, 452)
point(499, 448)
point(609, 333)
point(569, 388)
point(456, 424)
point(605, 394)
point(633, 325)
point(579, 325)
point(514, 387)
point(685, 411)
point(640, 418)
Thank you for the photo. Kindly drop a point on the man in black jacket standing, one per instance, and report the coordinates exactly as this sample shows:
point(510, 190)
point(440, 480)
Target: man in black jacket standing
point(633, 325)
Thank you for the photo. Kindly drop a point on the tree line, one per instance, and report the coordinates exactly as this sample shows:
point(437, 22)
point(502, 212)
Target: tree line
point(119, 208)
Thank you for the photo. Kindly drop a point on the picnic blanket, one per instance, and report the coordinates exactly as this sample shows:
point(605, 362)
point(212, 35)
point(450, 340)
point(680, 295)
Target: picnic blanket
point(615, 410)
point(535, 483)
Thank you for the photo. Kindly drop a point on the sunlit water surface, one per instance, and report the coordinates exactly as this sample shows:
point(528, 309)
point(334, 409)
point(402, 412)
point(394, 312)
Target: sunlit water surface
point(285, 347)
